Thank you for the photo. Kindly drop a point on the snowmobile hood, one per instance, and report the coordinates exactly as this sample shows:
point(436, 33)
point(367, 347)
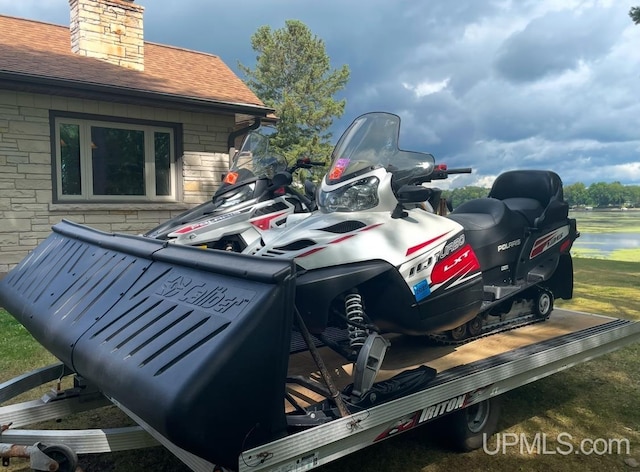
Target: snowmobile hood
point(323, 240)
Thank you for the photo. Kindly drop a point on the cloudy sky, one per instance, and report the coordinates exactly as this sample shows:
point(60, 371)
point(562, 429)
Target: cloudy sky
point(493, 85)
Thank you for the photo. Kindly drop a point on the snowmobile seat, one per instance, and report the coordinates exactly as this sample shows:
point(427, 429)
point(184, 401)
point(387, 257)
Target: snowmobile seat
point(535, 194)
point(489, 223)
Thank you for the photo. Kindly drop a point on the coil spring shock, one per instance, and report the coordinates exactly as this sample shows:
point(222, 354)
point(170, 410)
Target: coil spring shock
point(355, 314)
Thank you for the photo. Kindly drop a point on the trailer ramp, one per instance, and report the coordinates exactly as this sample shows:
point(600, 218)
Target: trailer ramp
point(193, 342)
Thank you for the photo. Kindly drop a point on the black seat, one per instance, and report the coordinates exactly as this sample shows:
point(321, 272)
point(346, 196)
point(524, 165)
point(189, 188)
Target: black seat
point(535, 194)
point(495, 226)
point(488, 223)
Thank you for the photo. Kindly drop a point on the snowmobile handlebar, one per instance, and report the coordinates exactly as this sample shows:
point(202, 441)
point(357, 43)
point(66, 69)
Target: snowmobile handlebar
point(441, 172)
point(410, 176)
point(306, 163)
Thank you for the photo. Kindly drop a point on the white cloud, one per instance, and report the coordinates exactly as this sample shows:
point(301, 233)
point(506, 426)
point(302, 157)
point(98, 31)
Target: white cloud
point(425, 88)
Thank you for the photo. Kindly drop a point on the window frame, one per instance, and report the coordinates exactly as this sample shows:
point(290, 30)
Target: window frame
point(85, 122)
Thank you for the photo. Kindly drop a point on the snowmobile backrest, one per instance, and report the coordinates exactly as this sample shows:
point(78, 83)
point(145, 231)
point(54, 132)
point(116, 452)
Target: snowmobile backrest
point(177, 335)
point(536, 194)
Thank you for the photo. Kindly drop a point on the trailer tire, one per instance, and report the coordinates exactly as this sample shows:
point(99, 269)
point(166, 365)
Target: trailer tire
point(465, 429)
point(65, 457)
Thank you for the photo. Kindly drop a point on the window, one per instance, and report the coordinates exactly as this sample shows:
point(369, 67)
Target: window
point(113, 161)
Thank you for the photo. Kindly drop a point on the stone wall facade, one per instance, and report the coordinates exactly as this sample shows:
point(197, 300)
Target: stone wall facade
point(27, 210)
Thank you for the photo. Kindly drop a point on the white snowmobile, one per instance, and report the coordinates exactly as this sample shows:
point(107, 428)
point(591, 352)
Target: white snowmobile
point(256, 194)
point(372, 261)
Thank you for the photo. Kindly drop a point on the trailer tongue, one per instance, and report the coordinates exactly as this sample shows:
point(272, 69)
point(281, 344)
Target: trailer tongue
point(177, 335)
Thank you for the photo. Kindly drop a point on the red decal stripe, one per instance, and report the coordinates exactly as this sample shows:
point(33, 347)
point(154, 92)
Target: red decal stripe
point(189, 228)
point(367, 228)
point(339, 240)
point(264, 223)
point(413, 249)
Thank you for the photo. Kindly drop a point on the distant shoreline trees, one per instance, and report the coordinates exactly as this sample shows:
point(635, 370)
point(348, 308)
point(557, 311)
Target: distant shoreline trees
point(597, 195)
point(602, 194)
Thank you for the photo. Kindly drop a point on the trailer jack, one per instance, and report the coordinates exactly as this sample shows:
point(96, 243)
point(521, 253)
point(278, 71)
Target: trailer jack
point(53, 458)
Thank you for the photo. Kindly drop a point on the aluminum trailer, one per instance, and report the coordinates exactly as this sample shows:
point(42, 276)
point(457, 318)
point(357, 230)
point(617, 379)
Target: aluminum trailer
point(469, 377)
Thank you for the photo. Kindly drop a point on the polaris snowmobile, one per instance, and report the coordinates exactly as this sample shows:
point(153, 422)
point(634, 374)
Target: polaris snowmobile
point(256, 194)
point(372, 261)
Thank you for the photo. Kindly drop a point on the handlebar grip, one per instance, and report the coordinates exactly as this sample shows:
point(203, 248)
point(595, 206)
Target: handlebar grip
point(317, 163)
point(462, 170)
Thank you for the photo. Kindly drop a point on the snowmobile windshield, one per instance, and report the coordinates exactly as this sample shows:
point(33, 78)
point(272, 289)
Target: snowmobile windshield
point(370, 142)
point(256, 159)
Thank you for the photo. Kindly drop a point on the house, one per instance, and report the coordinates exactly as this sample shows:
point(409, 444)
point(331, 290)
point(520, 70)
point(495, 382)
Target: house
point(99, 127)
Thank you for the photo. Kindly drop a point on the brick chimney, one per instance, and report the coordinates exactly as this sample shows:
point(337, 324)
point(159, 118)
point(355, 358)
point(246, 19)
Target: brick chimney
point(110, 30)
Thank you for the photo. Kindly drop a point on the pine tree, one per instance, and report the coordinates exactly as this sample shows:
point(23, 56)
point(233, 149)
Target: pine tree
point(294, 77)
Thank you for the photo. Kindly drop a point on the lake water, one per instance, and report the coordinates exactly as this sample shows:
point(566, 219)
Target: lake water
point(602, 233)
point(606, 243)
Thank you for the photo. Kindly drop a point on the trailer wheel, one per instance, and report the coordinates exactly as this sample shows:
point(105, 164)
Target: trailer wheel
point(65, 457)
point(543, 304)
point(464, 430)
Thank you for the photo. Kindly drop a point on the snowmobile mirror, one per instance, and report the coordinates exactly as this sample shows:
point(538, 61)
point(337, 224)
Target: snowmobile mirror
point(309, 189)
point(413, 194)
point(410, 194)
point(281, 179)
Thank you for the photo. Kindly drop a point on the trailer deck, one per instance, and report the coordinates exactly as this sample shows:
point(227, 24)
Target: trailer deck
point(467, 374)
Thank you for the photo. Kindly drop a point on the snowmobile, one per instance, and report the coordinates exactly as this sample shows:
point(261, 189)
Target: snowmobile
point(372, 261)
point(256, 193)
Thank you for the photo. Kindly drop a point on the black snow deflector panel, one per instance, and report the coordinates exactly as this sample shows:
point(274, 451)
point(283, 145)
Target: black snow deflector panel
point(193, 342)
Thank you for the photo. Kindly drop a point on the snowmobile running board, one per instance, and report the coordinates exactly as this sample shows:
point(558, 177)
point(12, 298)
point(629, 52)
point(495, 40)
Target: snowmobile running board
point(73, 292)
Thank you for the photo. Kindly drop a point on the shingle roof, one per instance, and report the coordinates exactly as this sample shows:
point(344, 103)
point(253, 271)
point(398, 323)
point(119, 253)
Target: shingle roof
point(33, 49)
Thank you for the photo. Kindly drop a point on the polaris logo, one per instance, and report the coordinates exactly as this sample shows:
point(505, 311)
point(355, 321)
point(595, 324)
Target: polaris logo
point(208, 222)
point(509, 245)
point(441, 408)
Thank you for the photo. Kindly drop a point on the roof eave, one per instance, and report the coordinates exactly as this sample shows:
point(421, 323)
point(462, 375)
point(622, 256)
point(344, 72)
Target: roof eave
point(64, 87)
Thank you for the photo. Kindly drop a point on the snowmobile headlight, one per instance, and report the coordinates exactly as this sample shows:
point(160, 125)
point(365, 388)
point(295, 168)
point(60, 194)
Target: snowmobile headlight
point(359, 196)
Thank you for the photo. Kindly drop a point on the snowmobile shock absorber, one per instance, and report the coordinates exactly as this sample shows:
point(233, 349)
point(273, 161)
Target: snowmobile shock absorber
point(355, 318)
